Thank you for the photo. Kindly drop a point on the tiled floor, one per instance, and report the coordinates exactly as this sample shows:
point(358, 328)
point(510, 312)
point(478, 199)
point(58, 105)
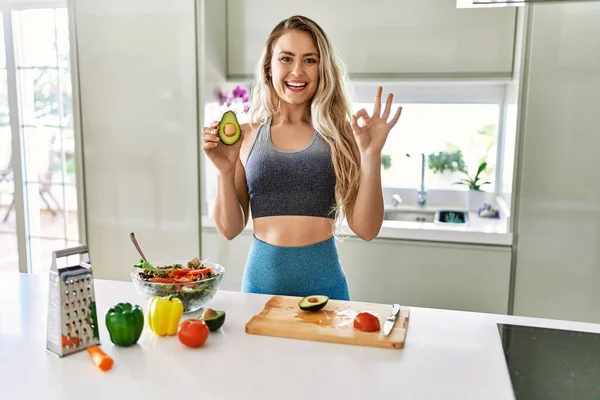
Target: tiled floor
point(41, 249)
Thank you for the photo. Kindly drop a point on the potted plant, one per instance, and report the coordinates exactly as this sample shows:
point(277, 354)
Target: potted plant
point(476, 195)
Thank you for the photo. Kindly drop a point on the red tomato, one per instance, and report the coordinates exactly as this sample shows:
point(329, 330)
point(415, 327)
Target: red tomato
point(366, 322)
point(193, 332)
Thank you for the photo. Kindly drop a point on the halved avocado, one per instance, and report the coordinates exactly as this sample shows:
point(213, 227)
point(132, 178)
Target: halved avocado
point(229, 129)
point(313, 303)
point(214, 319)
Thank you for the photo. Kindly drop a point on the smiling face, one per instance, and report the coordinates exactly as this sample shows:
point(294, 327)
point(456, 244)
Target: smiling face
point(295, 67)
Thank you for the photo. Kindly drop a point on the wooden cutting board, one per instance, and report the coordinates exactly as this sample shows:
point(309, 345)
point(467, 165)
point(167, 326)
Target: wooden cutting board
point(281, 317)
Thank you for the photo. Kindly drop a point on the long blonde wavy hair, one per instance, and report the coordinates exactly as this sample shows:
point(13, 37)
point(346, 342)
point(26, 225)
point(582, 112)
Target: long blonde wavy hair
point(330, 110)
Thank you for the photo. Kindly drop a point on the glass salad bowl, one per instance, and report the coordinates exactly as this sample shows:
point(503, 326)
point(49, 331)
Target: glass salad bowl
point(195, 282)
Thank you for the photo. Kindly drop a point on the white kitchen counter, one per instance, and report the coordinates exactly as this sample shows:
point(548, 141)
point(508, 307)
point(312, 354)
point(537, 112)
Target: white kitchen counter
point(483, 231)
point(449, 355)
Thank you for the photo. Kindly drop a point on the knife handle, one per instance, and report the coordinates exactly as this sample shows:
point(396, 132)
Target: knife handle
point(395, 309)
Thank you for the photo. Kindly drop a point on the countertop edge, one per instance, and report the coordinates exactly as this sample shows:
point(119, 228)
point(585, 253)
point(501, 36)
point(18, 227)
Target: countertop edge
point(425, 232)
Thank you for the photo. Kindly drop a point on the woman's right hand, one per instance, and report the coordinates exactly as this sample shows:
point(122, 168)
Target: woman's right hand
point(223, 157)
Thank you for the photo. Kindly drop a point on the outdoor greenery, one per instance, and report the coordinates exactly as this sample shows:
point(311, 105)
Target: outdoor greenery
point(446, 161)
point(386, 161)
point(452, 159)
point(52, 95)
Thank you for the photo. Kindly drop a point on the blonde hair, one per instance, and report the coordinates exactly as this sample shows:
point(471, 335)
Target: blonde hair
point(330, 110)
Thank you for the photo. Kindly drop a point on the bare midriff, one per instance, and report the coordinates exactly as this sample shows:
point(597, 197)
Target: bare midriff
point(292, 230)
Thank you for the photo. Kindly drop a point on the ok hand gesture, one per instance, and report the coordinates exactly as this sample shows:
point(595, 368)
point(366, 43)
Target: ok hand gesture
point(371, 136)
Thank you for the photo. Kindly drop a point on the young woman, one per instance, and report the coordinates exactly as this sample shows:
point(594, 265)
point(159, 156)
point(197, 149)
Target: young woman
point(303, 163)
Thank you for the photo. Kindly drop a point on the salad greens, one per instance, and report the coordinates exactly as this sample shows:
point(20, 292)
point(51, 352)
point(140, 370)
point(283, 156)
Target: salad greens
point(186, 281)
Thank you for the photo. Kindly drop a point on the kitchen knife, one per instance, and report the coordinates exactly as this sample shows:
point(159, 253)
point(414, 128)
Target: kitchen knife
point(391, 320)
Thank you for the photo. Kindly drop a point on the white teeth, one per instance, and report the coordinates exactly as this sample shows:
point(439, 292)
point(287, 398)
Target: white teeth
point(298, 85)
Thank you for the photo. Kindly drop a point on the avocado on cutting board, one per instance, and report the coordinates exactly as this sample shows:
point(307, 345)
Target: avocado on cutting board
point(283, 317)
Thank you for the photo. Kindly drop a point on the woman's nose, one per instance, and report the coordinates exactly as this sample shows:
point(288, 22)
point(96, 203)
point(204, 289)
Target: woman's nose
point(297, 69)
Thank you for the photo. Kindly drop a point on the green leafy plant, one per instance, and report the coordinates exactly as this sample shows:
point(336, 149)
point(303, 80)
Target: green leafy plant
point(386, 161)
point(447, 161)
point(476, 182)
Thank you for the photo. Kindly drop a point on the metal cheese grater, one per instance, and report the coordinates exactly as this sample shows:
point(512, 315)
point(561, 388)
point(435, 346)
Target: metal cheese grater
point(72, 319)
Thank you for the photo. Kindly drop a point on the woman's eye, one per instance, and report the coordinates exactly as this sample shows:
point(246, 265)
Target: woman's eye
point(286, 59)
point(311, 60)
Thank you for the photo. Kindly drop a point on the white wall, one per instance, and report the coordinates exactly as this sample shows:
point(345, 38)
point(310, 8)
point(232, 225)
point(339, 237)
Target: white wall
point(137, 83)
point(558, 227)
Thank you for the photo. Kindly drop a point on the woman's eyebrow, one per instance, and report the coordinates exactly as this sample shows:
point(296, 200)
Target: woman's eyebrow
point(289, 53)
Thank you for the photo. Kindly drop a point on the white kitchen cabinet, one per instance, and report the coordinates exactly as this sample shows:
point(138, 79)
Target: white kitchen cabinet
point(429, 274)
point(137, 89)
point(385, 38)
point(423, 274)
point(557, 272)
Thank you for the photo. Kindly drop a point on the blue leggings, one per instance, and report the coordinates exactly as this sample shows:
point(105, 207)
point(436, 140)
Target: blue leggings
point(295, 271)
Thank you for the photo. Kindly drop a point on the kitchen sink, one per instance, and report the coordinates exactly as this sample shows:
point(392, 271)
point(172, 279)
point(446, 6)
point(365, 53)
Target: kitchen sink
point(431, 216)
point(452, 217)
point(409, 215)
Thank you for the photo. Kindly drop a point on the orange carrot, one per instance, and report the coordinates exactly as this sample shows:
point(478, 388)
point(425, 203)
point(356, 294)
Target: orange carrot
point(200, 271)
point(181, 271)
point(101, 359)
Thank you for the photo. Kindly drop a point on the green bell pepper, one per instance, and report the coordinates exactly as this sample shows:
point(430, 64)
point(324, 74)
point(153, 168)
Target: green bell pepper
point(125, 324)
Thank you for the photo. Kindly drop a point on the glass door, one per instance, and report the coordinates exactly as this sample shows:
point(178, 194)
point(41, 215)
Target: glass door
point(41, 38)
point(38, 59)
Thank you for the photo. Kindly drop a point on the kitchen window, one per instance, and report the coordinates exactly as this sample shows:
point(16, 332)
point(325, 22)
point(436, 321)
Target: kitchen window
point(456, 138)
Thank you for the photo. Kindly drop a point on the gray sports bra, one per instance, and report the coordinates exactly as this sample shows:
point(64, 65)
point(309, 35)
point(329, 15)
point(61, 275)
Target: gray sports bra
point(290, 182)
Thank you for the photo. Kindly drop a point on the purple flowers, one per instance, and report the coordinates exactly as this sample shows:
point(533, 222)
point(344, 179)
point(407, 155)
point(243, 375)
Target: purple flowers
point(239, 94)
point(223, 97)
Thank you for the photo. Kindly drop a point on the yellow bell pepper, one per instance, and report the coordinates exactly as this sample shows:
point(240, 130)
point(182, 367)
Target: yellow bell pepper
point(164, 314)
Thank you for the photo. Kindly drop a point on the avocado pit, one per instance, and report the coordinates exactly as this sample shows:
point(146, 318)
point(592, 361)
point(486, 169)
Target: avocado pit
point(229, 130)
point(214, 319)
point(209, 313)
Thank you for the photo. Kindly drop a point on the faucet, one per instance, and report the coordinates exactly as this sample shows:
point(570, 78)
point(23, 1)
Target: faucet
point(396, 199)
point(422, 194)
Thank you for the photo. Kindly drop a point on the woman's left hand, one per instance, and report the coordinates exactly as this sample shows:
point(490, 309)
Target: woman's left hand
point(371, 136)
